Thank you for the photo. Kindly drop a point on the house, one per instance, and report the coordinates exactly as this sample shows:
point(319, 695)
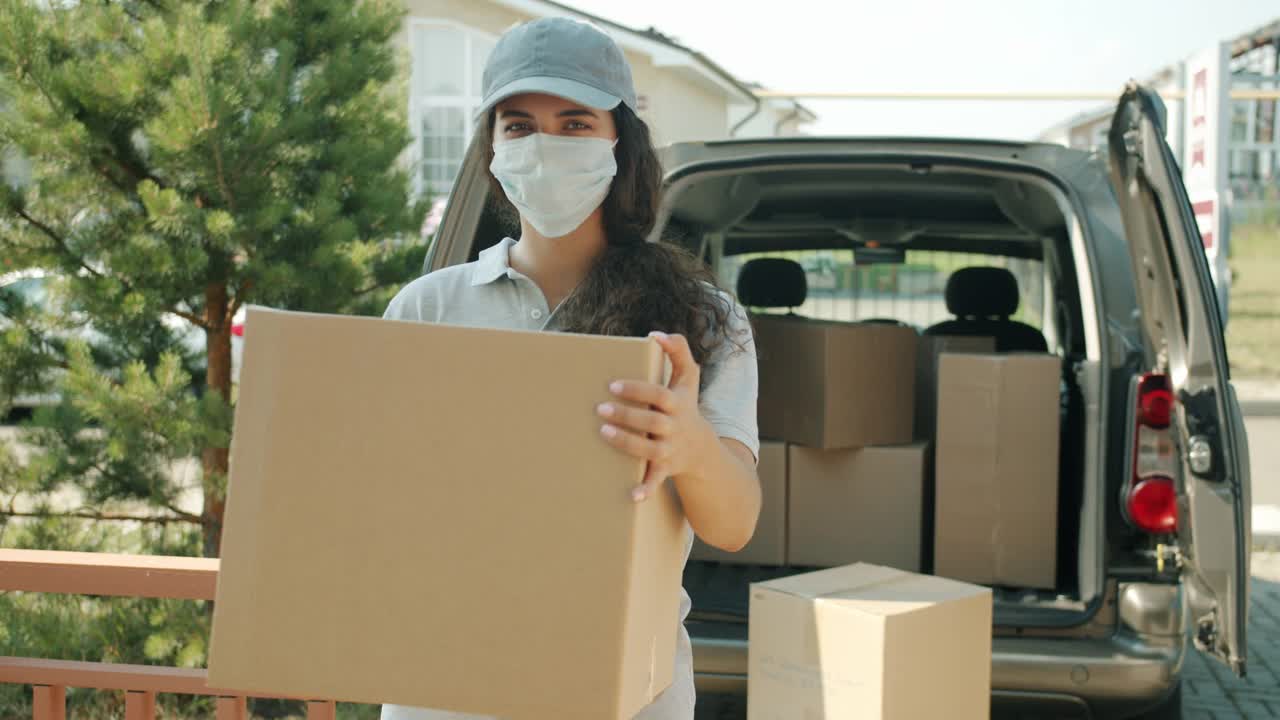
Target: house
point(683, 95)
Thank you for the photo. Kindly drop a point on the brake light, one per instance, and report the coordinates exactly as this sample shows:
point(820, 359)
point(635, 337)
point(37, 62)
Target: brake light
point(1153, 505)
point(1151, 498)
point(1155, 401)
point(238, 329)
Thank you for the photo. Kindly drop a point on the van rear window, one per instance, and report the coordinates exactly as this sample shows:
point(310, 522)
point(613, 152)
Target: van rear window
point(912, 292)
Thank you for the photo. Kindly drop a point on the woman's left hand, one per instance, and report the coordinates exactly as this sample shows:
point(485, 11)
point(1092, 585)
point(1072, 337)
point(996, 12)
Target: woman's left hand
point(672, 436)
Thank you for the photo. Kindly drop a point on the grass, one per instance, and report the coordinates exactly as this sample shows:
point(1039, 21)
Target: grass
point(1253, 330)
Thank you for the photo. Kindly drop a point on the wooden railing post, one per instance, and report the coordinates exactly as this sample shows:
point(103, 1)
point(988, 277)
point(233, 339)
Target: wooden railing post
point(151, 576)
point(48, 702)
point(322, 710)
point(139, 705)
point(232, 708)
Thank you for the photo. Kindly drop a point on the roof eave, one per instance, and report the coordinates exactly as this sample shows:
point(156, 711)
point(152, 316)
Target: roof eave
point(663, 52)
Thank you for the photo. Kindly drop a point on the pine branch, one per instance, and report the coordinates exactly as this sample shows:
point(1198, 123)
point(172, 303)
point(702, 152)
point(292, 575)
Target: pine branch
point(82, 115)
point(41, 339)
point(132, 15)
point(57, 239)
point(115, 182)
point(238, 301)
point(129, 167)
point(189, 317)
point(183, 514)
point(158, 519)
point(117, 148)
point(202, 72)
point(66, 251)
point(221, 175)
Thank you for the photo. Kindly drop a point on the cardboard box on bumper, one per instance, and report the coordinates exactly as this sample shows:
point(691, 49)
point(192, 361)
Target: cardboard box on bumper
point(860, 505)
point(768, 545)
point(931, 348)
point(835, 385)
point(427, 515)
point(869, 642)
point(996, 517)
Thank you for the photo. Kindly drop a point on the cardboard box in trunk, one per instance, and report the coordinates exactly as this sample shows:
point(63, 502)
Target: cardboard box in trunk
point(835, 385)
point(768, 545)
point(861, 505)
point(996, 517)
point(427, 515)
point(869, 642)
point(930, 349)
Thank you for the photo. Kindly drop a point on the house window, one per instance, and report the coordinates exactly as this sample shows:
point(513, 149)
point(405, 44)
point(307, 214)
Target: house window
point(1241, 110)
point(1266, 120)
point(448, 60)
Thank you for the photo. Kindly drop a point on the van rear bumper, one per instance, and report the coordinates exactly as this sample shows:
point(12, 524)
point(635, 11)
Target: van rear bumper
point(1116, 677)
point(1111, 677)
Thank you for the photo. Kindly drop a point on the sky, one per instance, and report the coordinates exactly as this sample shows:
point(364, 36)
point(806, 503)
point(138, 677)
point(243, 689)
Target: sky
point(935, 45)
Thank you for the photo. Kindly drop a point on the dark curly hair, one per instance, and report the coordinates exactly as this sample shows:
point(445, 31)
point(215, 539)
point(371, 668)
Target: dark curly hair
point(635, 286)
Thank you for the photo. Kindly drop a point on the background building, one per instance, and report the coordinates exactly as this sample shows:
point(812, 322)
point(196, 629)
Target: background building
point(683, 95)
point(1252, 154)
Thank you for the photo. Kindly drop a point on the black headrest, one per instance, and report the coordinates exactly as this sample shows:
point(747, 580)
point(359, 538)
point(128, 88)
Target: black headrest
point(772, 283)
point(982, 292)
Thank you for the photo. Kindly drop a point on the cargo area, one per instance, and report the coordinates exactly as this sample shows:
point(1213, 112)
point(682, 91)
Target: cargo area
point(921, 331)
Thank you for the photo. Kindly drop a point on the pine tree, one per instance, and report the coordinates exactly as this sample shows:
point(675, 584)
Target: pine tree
point(186, 158)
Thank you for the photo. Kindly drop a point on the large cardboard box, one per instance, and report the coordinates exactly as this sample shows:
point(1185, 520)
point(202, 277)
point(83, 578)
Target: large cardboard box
point(835, 385)
point(869, 642)
point(768, 545)
point(930, 349)
point(996, 518)
point(861, 505)
point(427, 515)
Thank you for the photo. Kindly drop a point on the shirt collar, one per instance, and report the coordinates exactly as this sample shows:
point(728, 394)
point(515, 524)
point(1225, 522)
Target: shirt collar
point(493, 263)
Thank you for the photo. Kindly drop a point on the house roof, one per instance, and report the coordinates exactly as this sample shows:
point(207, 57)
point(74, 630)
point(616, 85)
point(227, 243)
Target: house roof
point(802, 112)
point(664, 50)
point(1263, 35)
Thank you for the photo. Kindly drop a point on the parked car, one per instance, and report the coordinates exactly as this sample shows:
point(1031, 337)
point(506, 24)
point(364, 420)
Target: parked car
point(34, 286)
point(1154, 479)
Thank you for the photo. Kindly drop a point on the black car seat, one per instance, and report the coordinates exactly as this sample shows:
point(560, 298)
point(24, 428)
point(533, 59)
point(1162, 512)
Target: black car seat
point(772, 283)
point(983, 299)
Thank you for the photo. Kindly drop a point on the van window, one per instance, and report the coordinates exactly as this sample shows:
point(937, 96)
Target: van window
point(912, 292)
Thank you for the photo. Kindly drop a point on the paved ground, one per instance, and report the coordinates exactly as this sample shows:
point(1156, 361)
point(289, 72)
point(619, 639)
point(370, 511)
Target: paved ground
point(1213, 693)
point(1210, 691)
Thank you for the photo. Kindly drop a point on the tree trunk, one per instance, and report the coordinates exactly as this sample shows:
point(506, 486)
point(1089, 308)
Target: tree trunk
point(218, 380)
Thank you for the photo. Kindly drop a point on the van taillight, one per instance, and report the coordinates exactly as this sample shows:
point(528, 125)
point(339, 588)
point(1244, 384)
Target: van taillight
point(1151, 500)
point(1155, 401)
point(1153, 505)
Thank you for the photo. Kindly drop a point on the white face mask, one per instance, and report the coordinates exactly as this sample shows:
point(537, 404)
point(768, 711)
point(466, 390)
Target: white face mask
point(554, 181)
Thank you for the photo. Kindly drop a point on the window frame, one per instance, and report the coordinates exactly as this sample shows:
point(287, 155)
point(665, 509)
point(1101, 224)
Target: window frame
point(467, 102)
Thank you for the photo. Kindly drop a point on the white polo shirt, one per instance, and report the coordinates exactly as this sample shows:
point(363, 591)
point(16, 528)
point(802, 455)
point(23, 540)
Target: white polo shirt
point(489, 293)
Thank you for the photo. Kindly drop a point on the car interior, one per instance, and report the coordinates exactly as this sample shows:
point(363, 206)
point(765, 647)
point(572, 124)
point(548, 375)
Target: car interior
point(945, 253)
point(954, 251)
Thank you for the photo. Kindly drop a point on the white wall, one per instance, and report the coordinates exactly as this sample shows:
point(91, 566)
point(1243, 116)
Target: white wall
point(677, 106)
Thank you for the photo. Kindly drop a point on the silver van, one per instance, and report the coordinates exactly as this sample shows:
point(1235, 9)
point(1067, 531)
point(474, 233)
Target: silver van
point(1106, 258)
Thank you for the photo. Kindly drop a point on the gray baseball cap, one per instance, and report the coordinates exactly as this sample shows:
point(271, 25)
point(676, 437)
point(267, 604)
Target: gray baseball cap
point(558, 56)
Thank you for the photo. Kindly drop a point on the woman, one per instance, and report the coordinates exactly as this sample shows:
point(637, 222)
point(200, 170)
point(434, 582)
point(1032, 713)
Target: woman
point(570, 154)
